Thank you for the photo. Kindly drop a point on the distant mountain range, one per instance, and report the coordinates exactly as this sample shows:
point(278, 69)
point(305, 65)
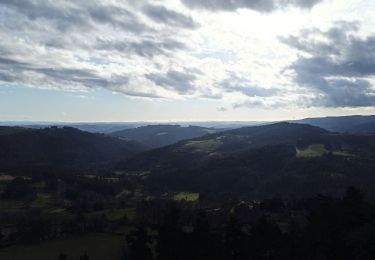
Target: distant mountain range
point(88, 127)
point(154, 136)
point(349, 124)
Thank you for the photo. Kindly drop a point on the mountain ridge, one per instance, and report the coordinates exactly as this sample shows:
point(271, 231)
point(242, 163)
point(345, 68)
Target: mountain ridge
point(60, 146)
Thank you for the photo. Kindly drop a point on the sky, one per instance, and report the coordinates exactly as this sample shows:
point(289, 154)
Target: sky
point(185, 60)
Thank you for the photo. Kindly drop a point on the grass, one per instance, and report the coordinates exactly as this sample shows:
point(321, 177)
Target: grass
point(112, 179)
point(123, 193)
point(42, 200)
point(210, 131)
point(186, 196)
point(318, 150)
point(314, 150)
point(97, 246)
point(57, 210)
point(11, 205)
point(133, 173)
point(204, 146)
point(6, 178)
point(342, 153)
point(117, 214)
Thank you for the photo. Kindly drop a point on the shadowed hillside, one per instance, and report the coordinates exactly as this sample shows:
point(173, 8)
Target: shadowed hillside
point(68, 147)
point(262, 160)
point(155, 136)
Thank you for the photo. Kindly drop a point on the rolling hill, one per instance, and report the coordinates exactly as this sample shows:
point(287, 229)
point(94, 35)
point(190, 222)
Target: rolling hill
point(67, 147)
point(154, 136)
point(258, 161)
point(349, 124)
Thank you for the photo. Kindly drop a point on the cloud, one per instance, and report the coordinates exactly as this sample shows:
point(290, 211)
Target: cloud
point(78, 46)
point(336, 64)
point(161, 14)
point(73, 15)
point(250, 104)
point(86, 78)
point(222, 109)
point(238, 83)
point(180, 81)
point(144, 49)
point(265, 6)
point(69, 79)
point(147, 48)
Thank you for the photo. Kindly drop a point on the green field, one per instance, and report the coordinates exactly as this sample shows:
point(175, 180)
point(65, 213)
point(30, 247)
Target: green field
point(187, 196)
point(314, 150)
point(318, 150)
point(116, 214)
point(98, 247)
point(6, 178)
point(204, 146)
point(42, 200)
point(342, 153)
point(11, 205)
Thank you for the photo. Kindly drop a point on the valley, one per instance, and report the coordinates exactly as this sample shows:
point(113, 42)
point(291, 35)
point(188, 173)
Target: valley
point(273, 173)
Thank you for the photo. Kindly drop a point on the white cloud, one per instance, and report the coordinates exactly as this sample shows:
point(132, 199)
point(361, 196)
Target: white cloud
point(166, 49)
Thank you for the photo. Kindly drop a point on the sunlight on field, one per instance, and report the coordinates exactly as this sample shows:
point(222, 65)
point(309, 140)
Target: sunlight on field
point(314, 150)
point(318, 150)
point(186, 196)
point(204, 146)
point(116, 214)
point(42, 200)
point(11, 205)
point(342, 153)
point(210, 131)
point(6, 178)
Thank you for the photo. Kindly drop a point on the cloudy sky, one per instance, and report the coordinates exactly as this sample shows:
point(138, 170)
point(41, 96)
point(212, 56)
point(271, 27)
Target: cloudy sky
point(186, 60)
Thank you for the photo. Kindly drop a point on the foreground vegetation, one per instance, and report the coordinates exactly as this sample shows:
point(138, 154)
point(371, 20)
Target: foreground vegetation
point(95, 247)
point(75, 217)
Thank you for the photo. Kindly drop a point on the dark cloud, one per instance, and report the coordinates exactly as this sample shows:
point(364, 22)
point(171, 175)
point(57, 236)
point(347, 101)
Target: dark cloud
point(74, 15)
point(146, 48)
point(63, 76)
point(53, 38)
point(257, 5)
point(336, 65)
point(85, 77)
point(237, 83)
point(161, 14)
point(180, 81)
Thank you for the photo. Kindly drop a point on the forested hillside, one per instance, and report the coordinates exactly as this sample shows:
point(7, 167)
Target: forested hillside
point(65, 147)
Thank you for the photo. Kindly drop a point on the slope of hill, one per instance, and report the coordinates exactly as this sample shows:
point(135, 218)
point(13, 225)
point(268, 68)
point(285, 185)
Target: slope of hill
point(259, 161)
point(349, 124)
point(155, 136)
point(68, 147)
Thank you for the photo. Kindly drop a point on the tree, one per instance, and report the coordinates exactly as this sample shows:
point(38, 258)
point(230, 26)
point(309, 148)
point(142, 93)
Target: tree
point(234, 239)
point(85, 256)
point(170, 244)
point(19, 189)
point(265, 239)
point(204, 243)
point(138, 244)
point(62, 256)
